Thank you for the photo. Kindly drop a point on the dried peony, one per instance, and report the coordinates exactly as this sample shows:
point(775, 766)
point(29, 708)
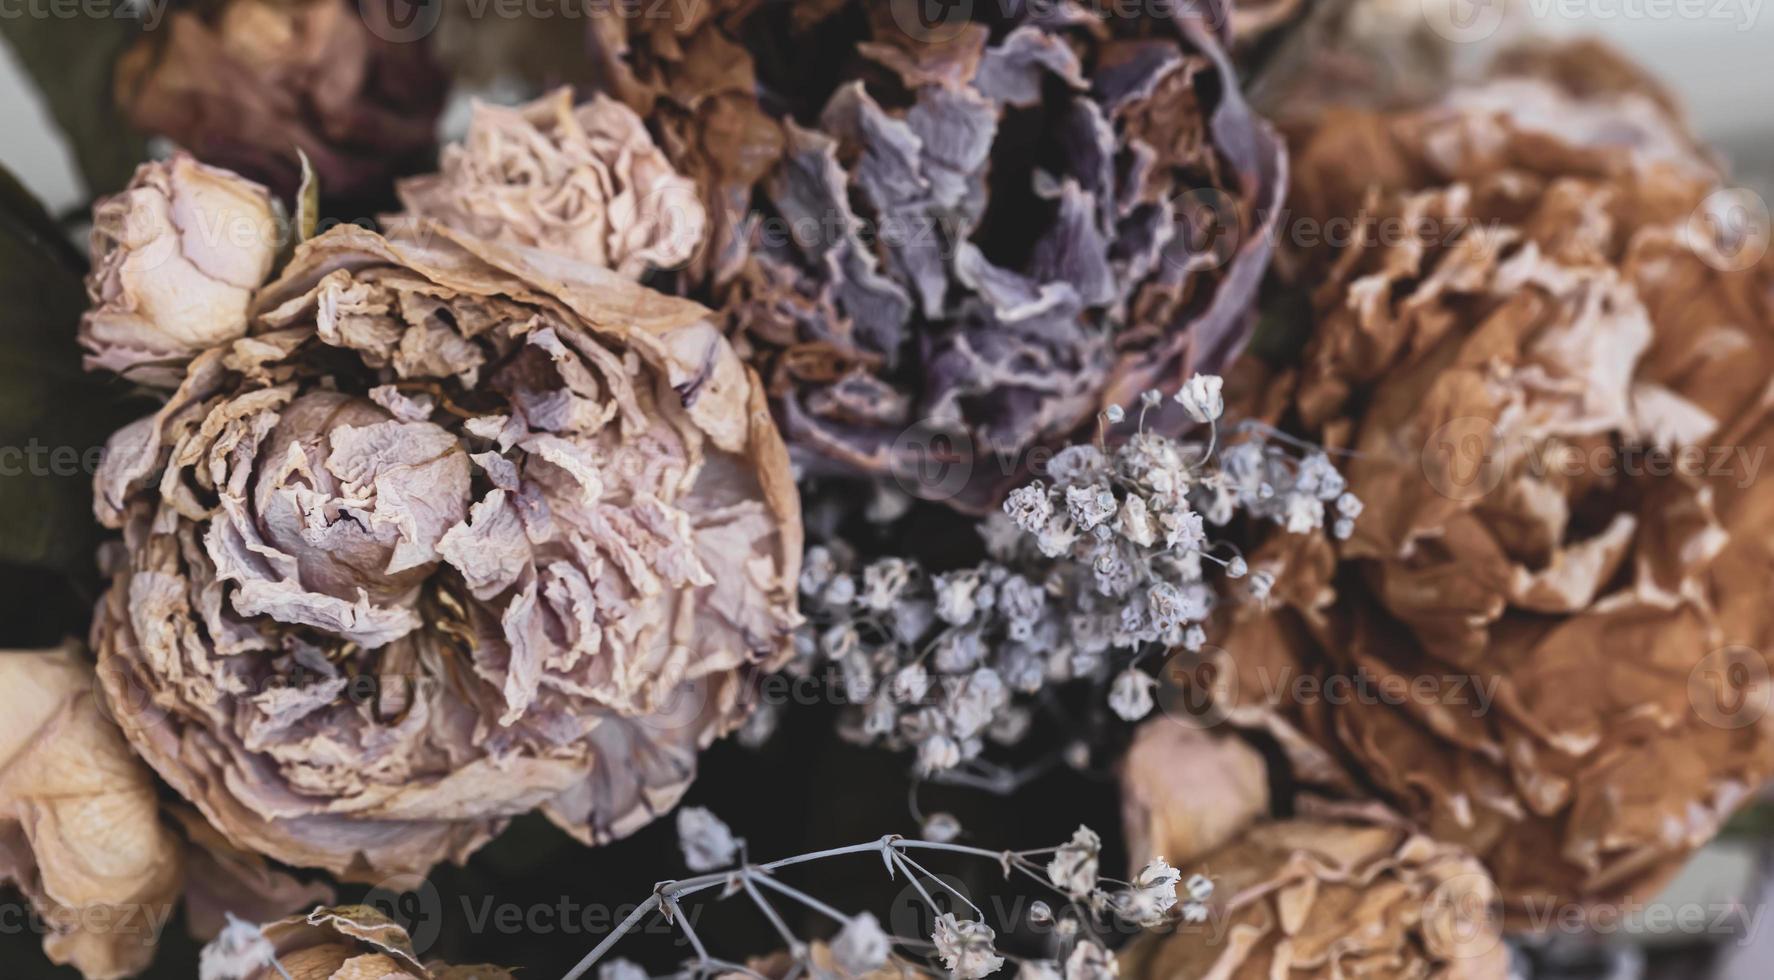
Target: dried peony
point(456, 532)
point(584, 182)
point(246, 83)
point(347, 942)
point(977, 234)
point(175, 258)
point(80, 828)
point(1552, 373)
point(1311, 899)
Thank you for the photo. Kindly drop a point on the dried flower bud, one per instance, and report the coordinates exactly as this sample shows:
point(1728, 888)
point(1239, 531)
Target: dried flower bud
point(1321, 899)
point(176, 256)
point(965, 946)
point(585, 182)
point(1073, 868)
point(246, 83)
point(707, 842)
point(373, 627)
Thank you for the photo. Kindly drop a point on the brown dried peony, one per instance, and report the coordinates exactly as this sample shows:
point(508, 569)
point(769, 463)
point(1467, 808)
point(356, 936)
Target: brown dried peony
point(346, 942)
point(176, 256)
point(457, 531)
point(1186, 791)
point(1551, 367)
point(982, 229)
point(247, 83)
point(1308, 899)
point(585, 182)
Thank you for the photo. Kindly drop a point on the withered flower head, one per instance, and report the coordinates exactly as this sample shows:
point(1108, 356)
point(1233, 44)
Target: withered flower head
point(80, 828)
point(1186, 791)
point(1312, 899)
point(347, 942)
point(247, 83)
point(991, 226)
point(456, 532)
point(176, 256)
point(585, 182)
point(1552, 370)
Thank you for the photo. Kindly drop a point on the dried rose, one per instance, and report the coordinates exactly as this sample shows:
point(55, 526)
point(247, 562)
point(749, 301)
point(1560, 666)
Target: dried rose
point(458, 531)
point(175, 258)
point(987, 229)
point(347, 942)
point(80, 829)
point(1535, 347)
point(248, 84)
point(584, 182)
point(1311, 899)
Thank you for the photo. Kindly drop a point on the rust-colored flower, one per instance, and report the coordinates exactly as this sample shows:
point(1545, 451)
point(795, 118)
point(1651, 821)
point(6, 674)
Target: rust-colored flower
point(976, 231)
point(1547, 638)
point(1311, 899)
point(175, 259)
point(456, 532)
point(585, 182)
point(246, 84)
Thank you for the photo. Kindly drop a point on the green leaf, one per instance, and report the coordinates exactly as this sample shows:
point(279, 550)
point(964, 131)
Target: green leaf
point(72, 60)
point(54, 417)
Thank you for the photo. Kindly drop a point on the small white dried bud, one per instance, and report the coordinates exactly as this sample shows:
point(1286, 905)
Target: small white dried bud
point(861, 946)
point(1073, 868)
point(707, 842)
point(1115, 414)
point(941, 828)
point(1201, 397)
point(1131, 695)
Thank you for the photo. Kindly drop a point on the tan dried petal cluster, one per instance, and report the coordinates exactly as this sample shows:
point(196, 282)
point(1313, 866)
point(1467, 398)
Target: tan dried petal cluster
point(1550, 363)
point(1310, 899)
point(84, 835)
point(585, 182)
point(1185, 791)
point(457, 531)
point(246, 83)
point(80, 830)
point(175, 259)
point(347, 942)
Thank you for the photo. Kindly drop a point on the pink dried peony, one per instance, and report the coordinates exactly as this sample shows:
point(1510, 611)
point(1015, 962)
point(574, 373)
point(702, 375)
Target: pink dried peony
point(176, 256)
point(457, 531)
point(585, 182)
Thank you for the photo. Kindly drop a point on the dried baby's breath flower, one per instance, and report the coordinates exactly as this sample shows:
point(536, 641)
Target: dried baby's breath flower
point(965, 946)
point(1073, 868)
point(1094, 571)
point(707, 842)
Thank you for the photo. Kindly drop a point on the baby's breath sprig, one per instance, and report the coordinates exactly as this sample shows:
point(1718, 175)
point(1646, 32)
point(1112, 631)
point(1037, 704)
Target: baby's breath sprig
point(1093, 570)
point(963, 943)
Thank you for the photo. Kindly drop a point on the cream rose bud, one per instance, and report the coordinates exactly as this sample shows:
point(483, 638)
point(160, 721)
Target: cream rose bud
point(176, 256)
